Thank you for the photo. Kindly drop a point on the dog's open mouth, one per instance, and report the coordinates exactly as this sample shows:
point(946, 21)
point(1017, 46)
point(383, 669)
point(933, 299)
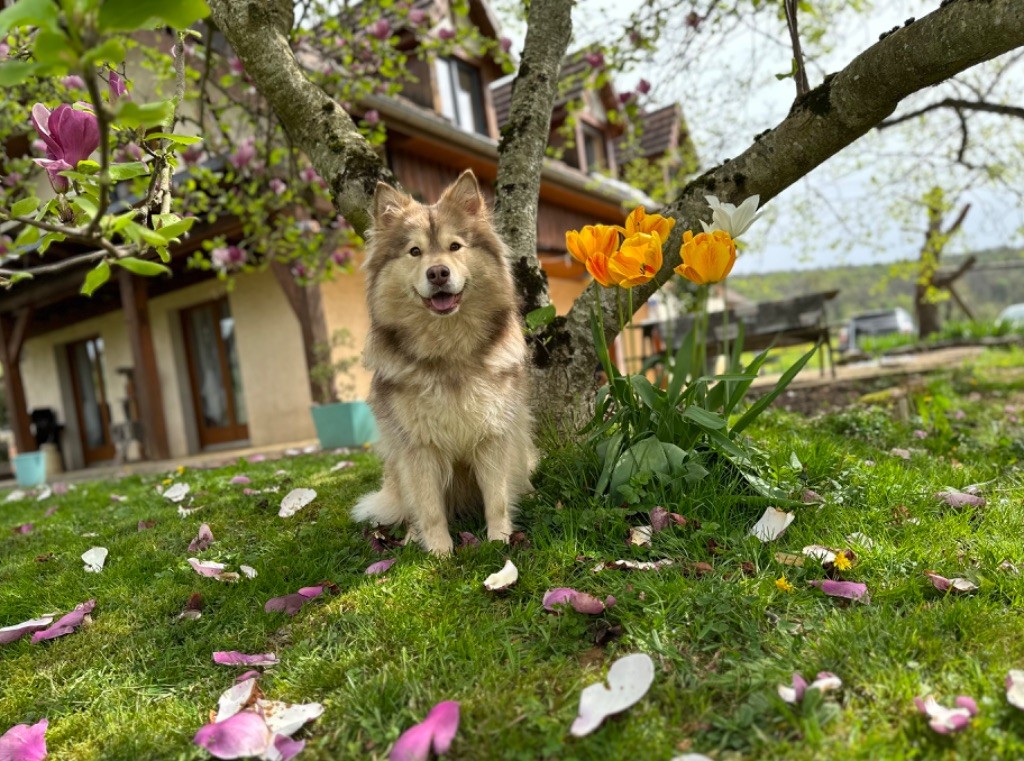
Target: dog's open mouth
point(443, 302)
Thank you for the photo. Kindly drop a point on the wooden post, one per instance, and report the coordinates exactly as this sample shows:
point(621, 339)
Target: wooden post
point(135, 306)
point(308, 306)
point(12, 338)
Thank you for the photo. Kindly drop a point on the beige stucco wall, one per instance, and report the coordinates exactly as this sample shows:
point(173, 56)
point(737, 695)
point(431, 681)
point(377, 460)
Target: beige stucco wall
point(271, 362)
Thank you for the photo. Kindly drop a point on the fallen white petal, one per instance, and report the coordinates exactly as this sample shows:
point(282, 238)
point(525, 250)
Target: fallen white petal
point(15, 496)
point(1015, 688)
point(641, 536)
point(503, 579)
point(629, 679)
point(45, 494)
point(772, 524)
point(94, 559)
point(342, 465)
point(287, 718)
point(185, 512)
point(294, 501)
point(819, 553)
point(861, 539)
point(235, 698)
point(177, 492)
point(248, 571)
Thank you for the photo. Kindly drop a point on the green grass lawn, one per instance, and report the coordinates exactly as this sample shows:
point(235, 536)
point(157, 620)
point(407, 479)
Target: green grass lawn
point(138, 682)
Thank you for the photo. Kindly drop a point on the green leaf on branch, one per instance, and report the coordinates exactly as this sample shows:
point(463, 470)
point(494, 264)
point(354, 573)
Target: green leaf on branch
point(96, 277)
point(37, 13)
point(129, 15)
point(540, 317)
point(134, 115)
point(25, 206)
point(142, 266)
point(49, 238)
point(178, 139)
point(85, 205)
point(111, 51)
point(127, 171)
point(141, 233)
point(173, 230)
point(54, 49)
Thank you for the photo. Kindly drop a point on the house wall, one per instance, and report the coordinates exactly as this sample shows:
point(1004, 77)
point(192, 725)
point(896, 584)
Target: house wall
point(271, 362)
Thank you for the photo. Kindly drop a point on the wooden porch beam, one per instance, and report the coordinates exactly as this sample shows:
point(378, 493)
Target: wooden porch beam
point(14, 388)
point(135, 306)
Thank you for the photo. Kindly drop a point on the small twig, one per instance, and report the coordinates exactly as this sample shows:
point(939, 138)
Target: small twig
point(800, 74)
point(46, 269)
point(69, 232)
point(959, 105)
point(104, 126)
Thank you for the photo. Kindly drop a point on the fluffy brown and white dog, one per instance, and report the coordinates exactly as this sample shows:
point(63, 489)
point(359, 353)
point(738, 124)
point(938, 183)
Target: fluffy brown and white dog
point(450, 382)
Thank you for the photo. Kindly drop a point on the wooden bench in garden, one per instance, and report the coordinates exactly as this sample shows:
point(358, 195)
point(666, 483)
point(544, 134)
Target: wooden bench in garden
point(766, 324)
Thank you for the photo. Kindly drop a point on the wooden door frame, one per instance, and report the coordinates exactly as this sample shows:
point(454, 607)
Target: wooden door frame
point(105, 452)
point(235, 431)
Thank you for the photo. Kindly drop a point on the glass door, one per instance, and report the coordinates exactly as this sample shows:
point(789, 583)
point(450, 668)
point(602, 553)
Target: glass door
point(85, 358)
point(214, 375)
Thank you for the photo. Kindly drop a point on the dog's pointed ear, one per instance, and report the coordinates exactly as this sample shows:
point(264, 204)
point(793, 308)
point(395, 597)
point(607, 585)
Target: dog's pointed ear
point(464, 194)
point(388, 201)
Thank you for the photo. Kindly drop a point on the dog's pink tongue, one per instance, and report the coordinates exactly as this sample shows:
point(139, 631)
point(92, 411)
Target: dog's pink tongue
point(442, 302)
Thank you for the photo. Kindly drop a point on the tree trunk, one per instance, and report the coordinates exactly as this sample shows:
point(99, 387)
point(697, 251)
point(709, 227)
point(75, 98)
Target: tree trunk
point(845, 106)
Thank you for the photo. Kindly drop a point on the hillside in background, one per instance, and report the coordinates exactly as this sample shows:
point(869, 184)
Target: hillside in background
point(996, 281)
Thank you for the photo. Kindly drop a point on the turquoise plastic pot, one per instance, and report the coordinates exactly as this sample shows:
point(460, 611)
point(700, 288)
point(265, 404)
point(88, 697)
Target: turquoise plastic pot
point(30, 468)
point(344, 424)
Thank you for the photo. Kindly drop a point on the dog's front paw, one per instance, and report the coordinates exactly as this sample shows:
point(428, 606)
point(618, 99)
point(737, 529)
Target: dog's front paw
point(500, 532)
point(438, 545)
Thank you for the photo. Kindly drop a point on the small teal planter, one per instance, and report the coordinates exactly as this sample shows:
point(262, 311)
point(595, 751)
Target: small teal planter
point(30, 468)
point(344, 424)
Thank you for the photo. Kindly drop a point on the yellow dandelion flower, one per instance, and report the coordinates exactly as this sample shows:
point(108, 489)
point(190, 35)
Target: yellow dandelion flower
point(842, 562)
point(783, 584)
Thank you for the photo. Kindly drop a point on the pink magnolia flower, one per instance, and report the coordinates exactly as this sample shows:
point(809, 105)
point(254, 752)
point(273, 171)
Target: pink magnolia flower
point(5, 50)
point(73, 82)
point(506, 44)
point(372, 117)
point(203, 540)
point(192, 155)
point(643, 87)
point(69, 135)
point(227, 257)
point(381, 29)
point(24, 743)
point(417, 16)
point(278, 186)
point(661, 519)
point(446, 34)
point(236, 66)
point(626, 97)
point(824, 682)
point(581, 602)
point(309, 175)
point(117, 87)
point(244, 155)
point(342, 257)
point(435, 732)
point(12, 179)
point(595, 60)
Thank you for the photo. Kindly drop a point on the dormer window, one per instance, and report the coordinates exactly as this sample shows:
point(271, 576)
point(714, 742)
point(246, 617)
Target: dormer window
point(461, 94)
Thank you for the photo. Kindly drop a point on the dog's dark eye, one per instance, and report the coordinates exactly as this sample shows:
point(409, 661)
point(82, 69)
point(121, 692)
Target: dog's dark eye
point(455, 247)
point(415, 251)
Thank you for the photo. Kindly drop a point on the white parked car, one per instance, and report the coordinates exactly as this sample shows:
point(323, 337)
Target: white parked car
point(1013, 315)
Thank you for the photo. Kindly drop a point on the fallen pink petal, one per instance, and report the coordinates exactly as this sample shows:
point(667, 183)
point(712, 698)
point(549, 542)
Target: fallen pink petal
point(629, 679)
point(240, 480)
point(67, 623)
point(203, 539)
point(292, 604)
point(824, 682)
point(241, 735)
point(943, 584)
point(235, 658)
point(380, 566)
point(851, 590)
point(559, 596)
point(467, 539)
point(23, 742)
point(555, 600)
point(24, 528)
point(435, 733)
point(17, 631)
point(956, 498)
point(810, 497)
point(661, 519)
point(947, 720)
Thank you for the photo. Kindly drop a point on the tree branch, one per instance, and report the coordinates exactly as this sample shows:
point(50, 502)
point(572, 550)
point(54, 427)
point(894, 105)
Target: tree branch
point(946, 281)
point(830, 117)
point(800, 72)
point(315, 122)
point(524, 140)
point(958, 105)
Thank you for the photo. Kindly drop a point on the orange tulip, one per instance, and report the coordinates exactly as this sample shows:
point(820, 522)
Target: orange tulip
point(591, 240)
point(637, 260)
point(707, 257)
point(639, 221)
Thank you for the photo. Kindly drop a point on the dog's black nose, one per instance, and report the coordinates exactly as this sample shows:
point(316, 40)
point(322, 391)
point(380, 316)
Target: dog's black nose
point(438, 275)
